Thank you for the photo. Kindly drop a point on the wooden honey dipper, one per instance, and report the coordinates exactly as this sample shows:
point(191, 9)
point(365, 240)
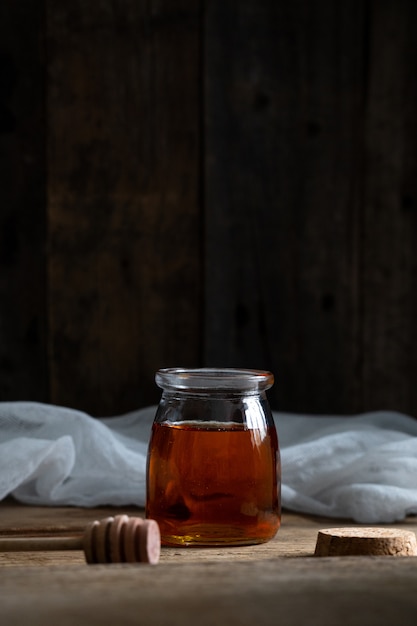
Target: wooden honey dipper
point(119, 539)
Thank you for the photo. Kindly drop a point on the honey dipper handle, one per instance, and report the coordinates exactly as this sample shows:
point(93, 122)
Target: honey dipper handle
point(34, 544)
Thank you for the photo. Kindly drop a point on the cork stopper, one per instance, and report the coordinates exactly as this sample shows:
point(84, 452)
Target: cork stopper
point(360, 541)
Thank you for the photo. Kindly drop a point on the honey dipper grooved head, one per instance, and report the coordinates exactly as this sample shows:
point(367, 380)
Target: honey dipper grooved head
point(122, 539)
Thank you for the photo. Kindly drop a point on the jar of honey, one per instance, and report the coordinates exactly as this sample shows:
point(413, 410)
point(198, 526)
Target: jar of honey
point(213, 467)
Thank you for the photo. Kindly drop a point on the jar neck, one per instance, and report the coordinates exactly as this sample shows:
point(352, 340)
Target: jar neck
point(212, 396)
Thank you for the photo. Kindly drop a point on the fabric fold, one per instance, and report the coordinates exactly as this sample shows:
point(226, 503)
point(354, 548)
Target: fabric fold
point(362, 468)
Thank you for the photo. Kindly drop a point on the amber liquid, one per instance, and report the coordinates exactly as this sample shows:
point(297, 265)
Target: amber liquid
point(213, 485)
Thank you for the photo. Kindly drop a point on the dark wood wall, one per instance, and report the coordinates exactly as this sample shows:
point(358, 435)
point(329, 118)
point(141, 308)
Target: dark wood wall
point(209, 183)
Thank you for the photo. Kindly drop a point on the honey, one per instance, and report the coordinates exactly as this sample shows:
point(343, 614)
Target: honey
point(214, 483)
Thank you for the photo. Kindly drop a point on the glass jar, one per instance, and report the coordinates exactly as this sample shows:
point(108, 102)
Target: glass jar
point(213, 468)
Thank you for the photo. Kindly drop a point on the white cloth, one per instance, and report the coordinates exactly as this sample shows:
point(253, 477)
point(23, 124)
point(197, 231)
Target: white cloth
point(362, 467)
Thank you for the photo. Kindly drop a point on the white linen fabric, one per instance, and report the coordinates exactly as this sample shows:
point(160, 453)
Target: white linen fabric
point(362, 468)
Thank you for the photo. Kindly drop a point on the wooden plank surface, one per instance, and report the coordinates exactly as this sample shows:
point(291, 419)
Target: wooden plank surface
point(283, 125)
point(261, 584)
point(296, 537)
point(389, 251)
point(238, 175)
point(123, 213)
point(23, 355)
point(18, 520)
point(321, 593)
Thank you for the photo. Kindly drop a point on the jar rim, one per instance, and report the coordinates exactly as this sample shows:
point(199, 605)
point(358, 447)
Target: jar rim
point(208, 379)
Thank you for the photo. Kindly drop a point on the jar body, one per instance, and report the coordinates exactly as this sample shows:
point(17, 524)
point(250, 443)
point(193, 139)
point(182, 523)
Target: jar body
point(213, 472)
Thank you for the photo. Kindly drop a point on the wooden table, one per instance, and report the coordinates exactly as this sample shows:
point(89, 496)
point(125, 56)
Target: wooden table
point(280, 582)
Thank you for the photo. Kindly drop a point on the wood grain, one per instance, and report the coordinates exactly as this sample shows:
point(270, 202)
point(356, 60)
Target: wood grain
point(389, 257)
point(258, 584)
point(123, 214)
point(229, 184)
point(311, 196)
point(284, 102)
point(23, 357)
point(304, 590)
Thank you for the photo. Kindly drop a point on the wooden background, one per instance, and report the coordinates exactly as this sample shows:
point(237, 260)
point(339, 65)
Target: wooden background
point(209, 183)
